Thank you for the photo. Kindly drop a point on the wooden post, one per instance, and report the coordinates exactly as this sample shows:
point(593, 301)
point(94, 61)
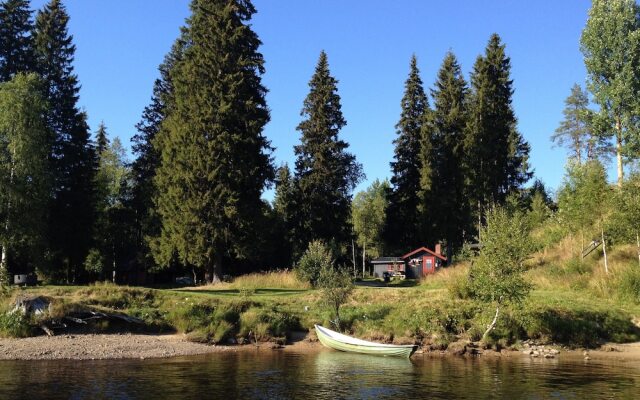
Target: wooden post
point(604, 249)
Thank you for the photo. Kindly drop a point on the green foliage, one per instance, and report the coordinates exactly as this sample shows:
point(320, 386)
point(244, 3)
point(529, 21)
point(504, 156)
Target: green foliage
point(448, 209)
point(336, 287)
point(583, 197)
point(24, 170)
point(497, 273)
point(94, 261)
point(14, 325)
point(214, 159)
point(625, 213)
point(16, 42)
point(497, 155)
point(316, 258)
point(411, 167)
point(576, 130)
point(368, 214)
point(628, 284)
point(326, 173)
point(610, 43)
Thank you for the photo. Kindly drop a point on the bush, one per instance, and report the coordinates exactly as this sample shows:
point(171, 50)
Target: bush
point(628, 282)
point(336, 288)
point(15, 325)
point(317, 257)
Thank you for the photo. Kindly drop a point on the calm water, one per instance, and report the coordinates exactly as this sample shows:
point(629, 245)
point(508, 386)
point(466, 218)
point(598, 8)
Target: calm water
point(325, 375)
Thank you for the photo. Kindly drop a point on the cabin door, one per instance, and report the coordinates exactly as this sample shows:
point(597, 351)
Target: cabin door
point(428, 265)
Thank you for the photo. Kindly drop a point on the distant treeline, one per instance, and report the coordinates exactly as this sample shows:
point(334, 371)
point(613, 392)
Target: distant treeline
point(74, 209)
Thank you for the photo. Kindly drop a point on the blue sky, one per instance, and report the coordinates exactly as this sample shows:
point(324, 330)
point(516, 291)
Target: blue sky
point(369, 43)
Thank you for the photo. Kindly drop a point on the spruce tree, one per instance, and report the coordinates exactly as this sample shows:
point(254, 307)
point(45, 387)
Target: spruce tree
point(16, 42)
point(73, 156)
point(143, 168)
point(496, 153)
point(326, 173)
point(448, 121)
point(101, 139)
point(411, 170)
point(215, 160)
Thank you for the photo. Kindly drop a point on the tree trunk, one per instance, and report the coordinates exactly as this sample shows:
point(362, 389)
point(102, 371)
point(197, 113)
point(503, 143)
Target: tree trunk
point(581, 244)
point(195, 275)
point(4, 271)
point(364, 254)
point(215, 269)
point(604, 249)
point(619, 152)
point(353, 257)
point(492, 324)
point(638, 246)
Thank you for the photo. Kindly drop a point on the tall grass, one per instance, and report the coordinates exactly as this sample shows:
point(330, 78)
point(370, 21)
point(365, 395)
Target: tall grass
point(281, 279)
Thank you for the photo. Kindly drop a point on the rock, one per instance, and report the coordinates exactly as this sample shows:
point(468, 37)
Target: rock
point(554, 351)
point(587, 358)
point(527, 352)
point(457, 348)
point(535, 353)
point(526, 345)
point(549, 355)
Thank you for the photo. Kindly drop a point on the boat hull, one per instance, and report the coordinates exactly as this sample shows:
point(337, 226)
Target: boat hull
point(337, 341)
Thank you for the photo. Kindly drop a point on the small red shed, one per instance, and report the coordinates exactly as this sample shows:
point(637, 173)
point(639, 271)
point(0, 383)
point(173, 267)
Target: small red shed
point(423, 261)
point(416, 264)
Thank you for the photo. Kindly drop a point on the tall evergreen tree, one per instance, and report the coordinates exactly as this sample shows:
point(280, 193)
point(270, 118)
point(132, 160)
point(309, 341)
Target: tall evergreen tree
point(326, 173)
point(574, 131)
point(143, 168)
point(215, 160)
point(411, 172)
point(447, 126)
point(16, 42)
point(610, 43)
point(24, 179)
point(284, 206)
point(101, 139)
point(496, 153)
point(73, 156)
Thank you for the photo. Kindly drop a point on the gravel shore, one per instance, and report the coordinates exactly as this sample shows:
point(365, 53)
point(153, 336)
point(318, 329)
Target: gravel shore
point(97, 347)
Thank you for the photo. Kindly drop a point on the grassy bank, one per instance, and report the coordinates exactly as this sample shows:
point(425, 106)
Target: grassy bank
point(573, 303)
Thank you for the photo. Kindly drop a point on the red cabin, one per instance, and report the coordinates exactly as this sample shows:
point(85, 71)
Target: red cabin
point(416, 264)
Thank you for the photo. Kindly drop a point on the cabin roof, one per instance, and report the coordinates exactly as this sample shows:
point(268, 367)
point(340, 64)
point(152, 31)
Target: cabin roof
point(386, 260)
point(424, 249)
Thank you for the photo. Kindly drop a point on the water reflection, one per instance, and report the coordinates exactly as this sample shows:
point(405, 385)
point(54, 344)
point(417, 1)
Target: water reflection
point(267, 374)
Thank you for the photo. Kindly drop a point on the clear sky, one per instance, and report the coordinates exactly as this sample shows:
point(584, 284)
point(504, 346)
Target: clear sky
point(369, 43)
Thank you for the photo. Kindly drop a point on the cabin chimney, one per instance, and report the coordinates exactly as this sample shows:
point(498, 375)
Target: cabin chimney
point(439, 249)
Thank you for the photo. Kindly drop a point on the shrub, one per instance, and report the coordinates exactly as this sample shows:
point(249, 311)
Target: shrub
point(628, 284)
point(317, 257)
point(14, 324)
point(336, 288)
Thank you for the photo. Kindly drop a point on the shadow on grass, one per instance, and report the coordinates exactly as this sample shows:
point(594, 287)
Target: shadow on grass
point(587, 328)
point(251, 292)
point(393, 284)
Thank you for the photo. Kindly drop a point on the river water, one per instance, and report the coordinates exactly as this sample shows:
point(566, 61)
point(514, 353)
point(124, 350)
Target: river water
point(320, 375)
